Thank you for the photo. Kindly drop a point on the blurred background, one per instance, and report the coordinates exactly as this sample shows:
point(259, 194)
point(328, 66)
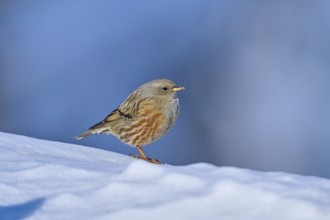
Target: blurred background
point(257, 75)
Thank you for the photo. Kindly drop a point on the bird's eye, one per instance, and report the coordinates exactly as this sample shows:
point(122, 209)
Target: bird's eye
point(164, 88)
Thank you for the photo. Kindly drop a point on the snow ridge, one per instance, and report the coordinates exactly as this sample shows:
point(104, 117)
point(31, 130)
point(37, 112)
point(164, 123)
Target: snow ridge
point(42, 179)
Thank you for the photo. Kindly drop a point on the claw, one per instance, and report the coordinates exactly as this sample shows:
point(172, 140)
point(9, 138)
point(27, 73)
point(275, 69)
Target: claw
point(150, 160)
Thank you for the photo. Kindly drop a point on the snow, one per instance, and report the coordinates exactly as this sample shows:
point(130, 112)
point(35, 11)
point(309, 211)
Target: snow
point(42, 179)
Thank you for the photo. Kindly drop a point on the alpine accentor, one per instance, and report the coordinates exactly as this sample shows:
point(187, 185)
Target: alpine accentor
point(144, 117)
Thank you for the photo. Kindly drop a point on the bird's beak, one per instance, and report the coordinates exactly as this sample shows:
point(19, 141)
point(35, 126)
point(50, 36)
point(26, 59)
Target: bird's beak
point(177, 88)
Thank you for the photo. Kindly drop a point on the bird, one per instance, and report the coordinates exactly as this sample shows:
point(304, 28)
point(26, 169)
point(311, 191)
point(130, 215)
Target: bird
point(146, 115)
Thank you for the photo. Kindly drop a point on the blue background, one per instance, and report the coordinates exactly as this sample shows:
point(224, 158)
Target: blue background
point(256, 73)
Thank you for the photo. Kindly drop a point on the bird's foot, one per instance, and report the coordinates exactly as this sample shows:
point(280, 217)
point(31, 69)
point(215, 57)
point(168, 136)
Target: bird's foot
point(150, 160)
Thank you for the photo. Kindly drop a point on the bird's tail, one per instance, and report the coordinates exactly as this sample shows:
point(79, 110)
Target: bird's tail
point(85, 134)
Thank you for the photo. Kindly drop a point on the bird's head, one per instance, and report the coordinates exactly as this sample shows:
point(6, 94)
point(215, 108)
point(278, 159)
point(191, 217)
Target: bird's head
point(161, 87)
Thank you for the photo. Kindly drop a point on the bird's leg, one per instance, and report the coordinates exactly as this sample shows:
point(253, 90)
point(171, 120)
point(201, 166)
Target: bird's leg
point(144, 157)
point(141, 152)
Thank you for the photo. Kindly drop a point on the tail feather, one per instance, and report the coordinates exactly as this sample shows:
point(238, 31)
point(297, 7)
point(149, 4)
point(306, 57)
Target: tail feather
point(85, 134)
point(91, 131)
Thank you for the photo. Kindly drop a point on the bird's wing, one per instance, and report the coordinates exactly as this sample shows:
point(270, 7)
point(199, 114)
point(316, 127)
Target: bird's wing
point(113, 116)
point(126, 111)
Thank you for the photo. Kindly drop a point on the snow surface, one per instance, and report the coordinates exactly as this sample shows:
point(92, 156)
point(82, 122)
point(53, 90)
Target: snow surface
point(42, 179)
